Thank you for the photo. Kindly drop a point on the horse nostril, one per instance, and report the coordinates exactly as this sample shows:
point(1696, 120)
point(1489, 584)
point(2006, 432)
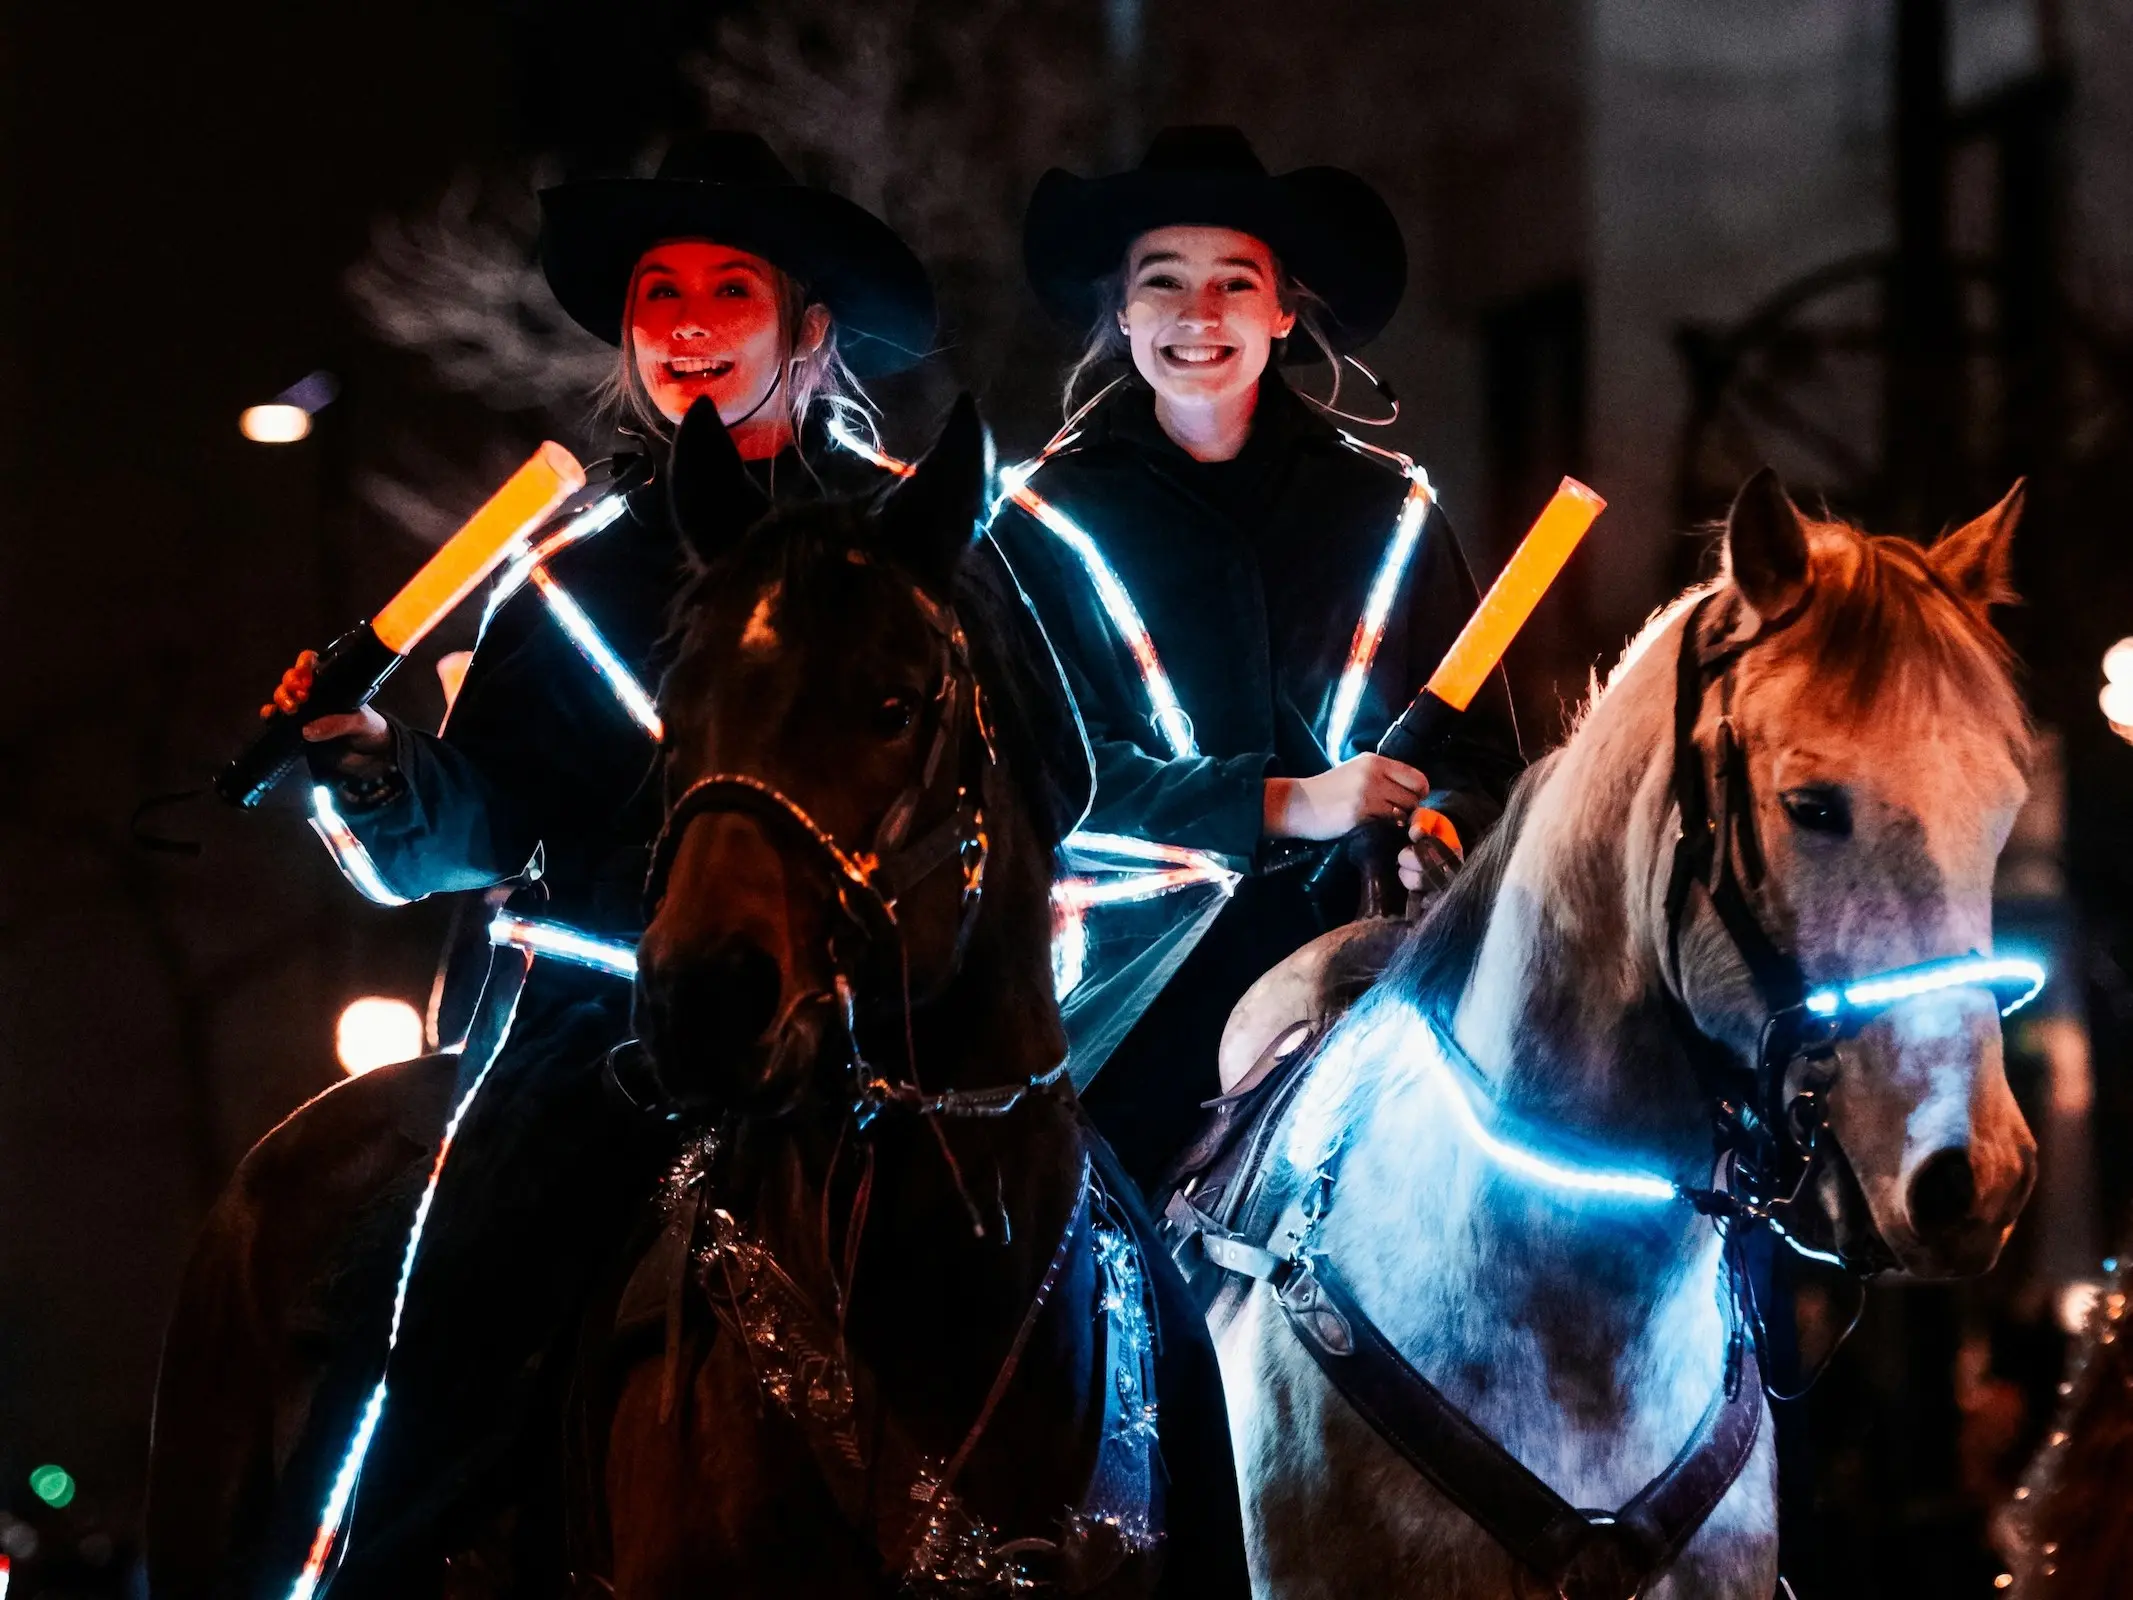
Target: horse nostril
point(1943, 1192)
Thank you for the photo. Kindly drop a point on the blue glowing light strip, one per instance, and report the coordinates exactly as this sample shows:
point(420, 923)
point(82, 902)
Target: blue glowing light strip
point(347, 850)
point(1886, 989)
point(1540, 1169)
point(1168, 716)
point(561, 943)
point(334, 1515)
point(599, 652)
point(583, 526)
point(1377, 610)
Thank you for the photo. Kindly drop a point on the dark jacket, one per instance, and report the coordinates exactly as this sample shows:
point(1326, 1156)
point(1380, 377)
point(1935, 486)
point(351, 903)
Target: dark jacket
point(538, 764)
point(1250, 576)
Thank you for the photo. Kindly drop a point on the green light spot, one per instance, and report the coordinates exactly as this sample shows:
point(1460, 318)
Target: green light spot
point(54, 1486)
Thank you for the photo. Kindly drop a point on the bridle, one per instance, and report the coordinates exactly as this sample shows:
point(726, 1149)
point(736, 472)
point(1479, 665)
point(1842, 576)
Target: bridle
point(871, 884)
point(1767, 1137)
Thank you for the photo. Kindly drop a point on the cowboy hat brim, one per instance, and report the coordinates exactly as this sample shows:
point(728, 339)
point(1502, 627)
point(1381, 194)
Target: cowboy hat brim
point(1330, 230)
point(594, 232)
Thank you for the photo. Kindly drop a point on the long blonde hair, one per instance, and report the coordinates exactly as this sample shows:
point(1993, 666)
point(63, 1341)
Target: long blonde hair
point(811, 378)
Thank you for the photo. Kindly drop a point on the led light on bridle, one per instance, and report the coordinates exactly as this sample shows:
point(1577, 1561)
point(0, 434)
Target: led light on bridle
point(1770, 1130)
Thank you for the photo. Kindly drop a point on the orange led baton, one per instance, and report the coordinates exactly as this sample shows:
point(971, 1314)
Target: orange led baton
point(351, 669)
point(1488, 633)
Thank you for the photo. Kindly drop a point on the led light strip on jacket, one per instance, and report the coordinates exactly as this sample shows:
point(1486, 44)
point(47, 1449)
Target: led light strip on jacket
point(588, 522)
point(1384, 589)
point(333, 1518)
point(1169, 717)
point(561, 942)
point(347, 850)
point(599, 654)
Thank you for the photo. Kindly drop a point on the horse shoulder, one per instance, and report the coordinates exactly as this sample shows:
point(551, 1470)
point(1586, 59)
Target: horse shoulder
point(249, 1334)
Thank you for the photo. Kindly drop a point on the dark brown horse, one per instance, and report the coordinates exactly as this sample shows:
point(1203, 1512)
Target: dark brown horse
point(891, 1322)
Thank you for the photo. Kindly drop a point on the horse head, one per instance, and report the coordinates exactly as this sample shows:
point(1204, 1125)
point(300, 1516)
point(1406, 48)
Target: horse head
point(837, 809)
point(1882, 756)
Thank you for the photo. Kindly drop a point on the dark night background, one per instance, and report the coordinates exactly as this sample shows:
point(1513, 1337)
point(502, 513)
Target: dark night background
point(1887, 244)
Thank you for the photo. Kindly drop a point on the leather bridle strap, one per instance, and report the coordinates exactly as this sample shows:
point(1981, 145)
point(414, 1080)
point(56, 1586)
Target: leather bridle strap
point(1707, 845)
point(786, 822)
point(1581, 1555)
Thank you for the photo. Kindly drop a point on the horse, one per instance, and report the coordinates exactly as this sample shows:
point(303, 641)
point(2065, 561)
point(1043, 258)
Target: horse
point(1484, 1325)
point(890, 1320)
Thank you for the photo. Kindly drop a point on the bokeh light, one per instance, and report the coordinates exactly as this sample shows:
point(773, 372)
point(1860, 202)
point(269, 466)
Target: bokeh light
point(375, 1032)
point(274, 424)
point(54, 1485)
point(2118, 662)
point(2117, 702)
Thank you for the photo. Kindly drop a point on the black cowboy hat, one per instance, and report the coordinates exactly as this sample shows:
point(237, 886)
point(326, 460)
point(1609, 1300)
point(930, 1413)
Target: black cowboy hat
point(732, 188)
point(1328, 228)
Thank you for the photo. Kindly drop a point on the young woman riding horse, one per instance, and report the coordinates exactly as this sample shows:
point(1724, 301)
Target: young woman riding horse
point(721, 279)
point(1250, 535)
point(1487, 1333)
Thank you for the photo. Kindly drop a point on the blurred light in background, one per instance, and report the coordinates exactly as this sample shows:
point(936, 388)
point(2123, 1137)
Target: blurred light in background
point(287, 417)
point(375, 1032)
point(274, 424)
point(53, 1485)
point(2117, 696)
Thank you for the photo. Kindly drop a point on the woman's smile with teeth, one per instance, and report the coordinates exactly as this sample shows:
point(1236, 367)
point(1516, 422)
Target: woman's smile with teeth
point(1198, 355)
point(699, 366)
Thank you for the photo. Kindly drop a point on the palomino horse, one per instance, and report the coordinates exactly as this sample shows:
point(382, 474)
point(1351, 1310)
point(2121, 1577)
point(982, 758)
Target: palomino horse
point(895, 1325)
point(1498, 1343)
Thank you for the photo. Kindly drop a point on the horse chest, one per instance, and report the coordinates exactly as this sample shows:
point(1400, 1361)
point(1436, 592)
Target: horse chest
point(1332, 1510)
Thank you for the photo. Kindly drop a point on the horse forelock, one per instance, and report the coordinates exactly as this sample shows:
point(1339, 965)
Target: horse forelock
point(1883, 627)
point(798, 554)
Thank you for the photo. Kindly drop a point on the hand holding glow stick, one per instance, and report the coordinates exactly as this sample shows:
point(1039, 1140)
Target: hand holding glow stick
point(354, 666)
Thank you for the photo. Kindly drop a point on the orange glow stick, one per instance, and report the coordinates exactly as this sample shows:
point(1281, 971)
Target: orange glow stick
point(1488, 633)
point(1533, 567)
point(528, 498)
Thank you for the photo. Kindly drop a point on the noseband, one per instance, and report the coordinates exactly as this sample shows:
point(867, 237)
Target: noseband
point(870, 884)
point(1768, 1138)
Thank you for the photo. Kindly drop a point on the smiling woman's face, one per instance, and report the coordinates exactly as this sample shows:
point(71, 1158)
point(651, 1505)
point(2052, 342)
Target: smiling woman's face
point(1201, 313)
point(704, 320)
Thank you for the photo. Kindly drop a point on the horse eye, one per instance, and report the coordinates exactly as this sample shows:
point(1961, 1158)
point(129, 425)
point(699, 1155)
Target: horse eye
point(1818, 810)
point(893, 716)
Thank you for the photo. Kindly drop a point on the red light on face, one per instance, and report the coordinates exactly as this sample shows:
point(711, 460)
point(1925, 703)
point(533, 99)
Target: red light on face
point(704, 321)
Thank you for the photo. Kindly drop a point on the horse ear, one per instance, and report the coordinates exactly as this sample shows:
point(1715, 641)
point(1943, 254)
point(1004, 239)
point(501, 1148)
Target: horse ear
point(1977, 559)
point(713, 499)
point(930, 520)
point(1766, 548)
